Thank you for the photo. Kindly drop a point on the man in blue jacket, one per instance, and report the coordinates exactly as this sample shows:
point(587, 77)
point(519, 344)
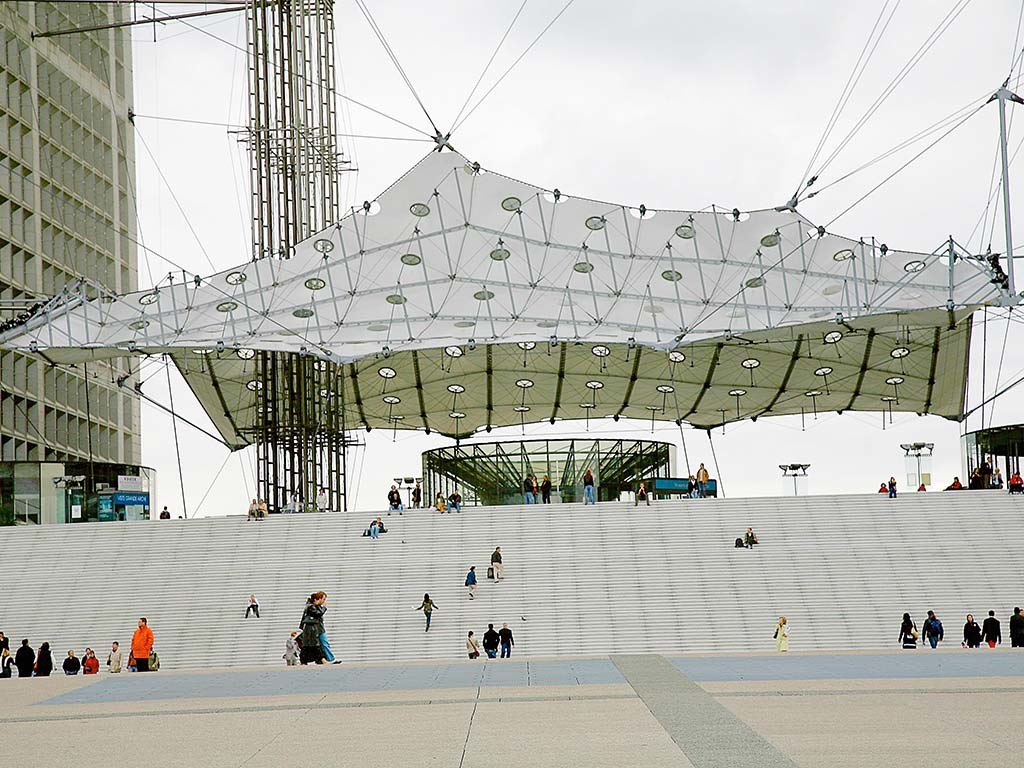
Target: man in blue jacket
point(471, 581)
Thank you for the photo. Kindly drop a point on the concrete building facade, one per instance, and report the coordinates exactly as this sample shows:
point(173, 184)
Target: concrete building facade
point(67, 209)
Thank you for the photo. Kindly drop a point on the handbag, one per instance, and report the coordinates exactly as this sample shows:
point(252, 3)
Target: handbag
point(775, 635)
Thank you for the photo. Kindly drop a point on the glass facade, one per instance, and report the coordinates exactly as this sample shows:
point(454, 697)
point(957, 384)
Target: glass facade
point(67, 210)
point(493, 473)
point(1003, 446)
point(34, 493)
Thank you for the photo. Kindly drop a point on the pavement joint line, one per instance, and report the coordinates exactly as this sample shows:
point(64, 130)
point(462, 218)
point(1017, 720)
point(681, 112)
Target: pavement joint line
point(307, 707)
point(861, 692)
point(706, 732)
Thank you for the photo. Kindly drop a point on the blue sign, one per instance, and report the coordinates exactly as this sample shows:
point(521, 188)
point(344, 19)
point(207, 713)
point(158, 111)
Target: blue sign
point(672, 484)
point(132, 499)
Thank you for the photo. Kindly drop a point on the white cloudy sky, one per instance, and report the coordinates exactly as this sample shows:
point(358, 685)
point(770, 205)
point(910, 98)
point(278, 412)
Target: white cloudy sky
point(666, 103)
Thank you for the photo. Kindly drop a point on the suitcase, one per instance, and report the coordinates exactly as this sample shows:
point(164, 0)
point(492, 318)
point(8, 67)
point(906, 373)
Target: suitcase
point(490, 572)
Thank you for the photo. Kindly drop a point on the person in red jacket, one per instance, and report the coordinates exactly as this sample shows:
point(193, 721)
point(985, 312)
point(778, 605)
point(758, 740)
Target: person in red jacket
point(142, 645)
point(90, 664)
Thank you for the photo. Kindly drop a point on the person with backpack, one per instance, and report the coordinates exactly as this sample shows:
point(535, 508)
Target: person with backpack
point(932, 629)
point(471, 581)
point(908, 632)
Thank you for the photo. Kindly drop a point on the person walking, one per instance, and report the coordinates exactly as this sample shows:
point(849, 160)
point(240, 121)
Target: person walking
point(312, 628)
point(44, 661)
point(496, 564)
point(427, 606)
point(252, 607)
point(6, 662)
point(932, 629)
point(545, 490)
point(25, 659)
point(892, 487)
point(90, 664)
point(507, 641)
point(702, 481)
point(990, 632)
point(588, 488)
point(291, 650)
point(471, 581)
point(1017, 629)
point(417, 496)
point(472, 649)
point(491, 640)
point(642, 495)
point(142, 645)
point(114, 658)
point(781, 635)
point(528, 490)
point(908, 632)
point(972, 633)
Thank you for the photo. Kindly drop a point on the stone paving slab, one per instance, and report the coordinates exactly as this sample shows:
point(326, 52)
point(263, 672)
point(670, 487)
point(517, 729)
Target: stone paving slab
point(333, 679)
point(902, 664)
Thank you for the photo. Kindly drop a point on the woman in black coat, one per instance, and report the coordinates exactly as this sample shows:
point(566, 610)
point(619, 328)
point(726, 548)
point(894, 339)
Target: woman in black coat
point(312, 626)
point(972, 633)
point(908, 632)
point(44, 661)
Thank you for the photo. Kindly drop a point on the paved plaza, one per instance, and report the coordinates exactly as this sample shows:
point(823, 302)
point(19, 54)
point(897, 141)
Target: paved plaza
point(957, 707)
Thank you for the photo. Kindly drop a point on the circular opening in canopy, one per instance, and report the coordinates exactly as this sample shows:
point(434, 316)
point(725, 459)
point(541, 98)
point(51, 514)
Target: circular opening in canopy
point(665, 389)
point(235, 278)
point(737, 392)
point(686, 231)
point(770, 240)
point(483, 295)
point(395, 298)
point(453, 351)
point(456, 389)
point(583, 266)
point(391, 399)
point(411, 259)
point(526, 346)
point(595, 385)
point(892, 381)
point(149, 298)
point(913, 266)
point(315, 283)
point(500, 254)
point(675, 356)
point(323, 245)
point(595, 223)
point(843, 255)
point(900, 352)
point(672, 275)
point(254, 385)
point(511, 204)
point(823, 371)
point(524, 383)
point(833, 337)
point(138, 325)
point(755, 282)
point(600, 350)
point(751, 363)
point(303, 313)
point(227, 306)
point(419, 209)
point(387, 373)
point(245, 353)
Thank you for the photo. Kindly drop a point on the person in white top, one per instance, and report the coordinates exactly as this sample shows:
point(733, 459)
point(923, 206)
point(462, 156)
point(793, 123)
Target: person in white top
point(114, 658)
point(471, 647)
point(254, 511)
point(254, 607)
point(321, 500)
point(782, 635)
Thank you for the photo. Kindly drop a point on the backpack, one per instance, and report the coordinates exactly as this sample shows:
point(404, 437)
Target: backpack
point(739, 543)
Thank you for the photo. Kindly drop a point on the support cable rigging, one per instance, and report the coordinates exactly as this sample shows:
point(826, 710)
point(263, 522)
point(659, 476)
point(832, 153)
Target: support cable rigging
point(235, 126)
point(177, 445)
point(907, 68)
point(394, 60)
point(848, 88)
point(888, 178)
point(513, 65)
point(213, 482)
point(318, 86)
point(487, 66)
point(718, 473)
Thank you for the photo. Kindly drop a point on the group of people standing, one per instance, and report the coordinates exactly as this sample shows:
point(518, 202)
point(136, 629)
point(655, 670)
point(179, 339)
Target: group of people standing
point(32, 663)
point(491, 641)
point(989, 632)
point(537, 493)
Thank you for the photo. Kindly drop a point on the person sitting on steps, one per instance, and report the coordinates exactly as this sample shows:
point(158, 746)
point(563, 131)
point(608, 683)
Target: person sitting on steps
point(1016, 483)
point(749, 538)
point(642, 494)
point(956, 485)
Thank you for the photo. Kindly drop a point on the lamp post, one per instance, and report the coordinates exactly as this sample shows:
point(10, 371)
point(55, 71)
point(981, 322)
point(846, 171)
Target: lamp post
point(915, 452)
point(795, 471)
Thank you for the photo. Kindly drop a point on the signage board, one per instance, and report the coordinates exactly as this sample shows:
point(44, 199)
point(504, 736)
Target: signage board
point(129, 483)
point(132, 499)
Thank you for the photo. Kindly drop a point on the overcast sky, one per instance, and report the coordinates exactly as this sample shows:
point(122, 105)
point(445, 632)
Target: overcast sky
point(670, 104)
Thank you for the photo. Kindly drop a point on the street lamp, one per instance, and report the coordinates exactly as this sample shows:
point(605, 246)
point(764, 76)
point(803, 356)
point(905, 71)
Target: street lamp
point(795, 471)
point(914, 453)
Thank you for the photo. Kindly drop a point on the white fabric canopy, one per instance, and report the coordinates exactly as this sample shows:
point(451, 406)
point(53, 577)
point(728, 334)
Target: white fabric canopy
point(454, 257)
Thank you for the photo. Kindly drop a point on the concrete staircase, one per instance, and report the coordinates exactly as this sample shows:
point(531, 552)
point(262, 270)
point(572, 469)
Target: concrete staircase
point(579, 580)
